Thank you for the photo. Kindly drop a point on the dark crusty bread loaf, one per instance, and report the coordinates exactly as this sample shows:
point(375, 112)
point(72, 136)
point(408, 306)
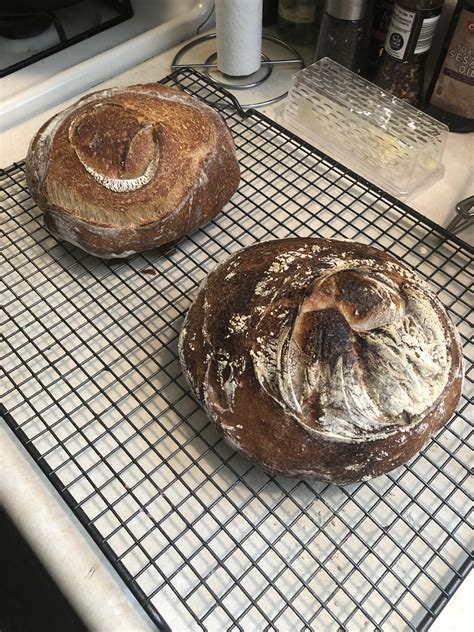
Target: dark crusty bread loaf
point(321, 358)
point(128, 169)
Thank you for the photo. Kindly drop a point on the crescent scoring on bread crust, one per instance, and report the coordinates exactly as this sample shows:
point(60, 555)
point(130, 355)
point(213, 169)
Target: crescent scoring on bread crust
point(127, 169)
point(321, 358)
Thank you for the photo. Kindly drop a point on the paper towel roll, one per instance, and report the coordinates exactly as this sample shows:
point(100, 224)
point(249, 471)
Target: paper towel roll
point(239, 36)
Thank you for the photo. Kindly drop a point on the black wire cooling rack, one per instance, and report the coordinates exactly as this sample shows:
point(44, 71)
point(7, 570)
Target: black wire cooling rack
point(93, 389)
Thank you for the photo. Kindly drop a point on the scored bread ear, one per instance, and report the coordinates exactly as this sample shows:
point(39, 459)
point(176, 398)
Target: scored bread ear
point(111, 142)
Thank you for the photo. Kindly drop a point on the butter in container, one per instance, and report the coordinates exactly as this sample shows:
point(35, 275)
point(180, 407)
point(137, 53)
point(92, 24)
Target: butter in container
point(387, 141)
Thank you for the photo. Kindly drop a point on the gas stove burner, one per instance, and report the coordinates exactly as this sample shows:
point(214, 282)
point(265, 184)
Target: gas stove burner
point(274, 71)
point(29, 37)
point(23, 26)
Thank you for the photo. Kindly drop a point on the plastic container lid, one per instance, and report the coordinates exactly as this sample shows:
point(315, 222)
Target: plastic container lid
point(384, 139)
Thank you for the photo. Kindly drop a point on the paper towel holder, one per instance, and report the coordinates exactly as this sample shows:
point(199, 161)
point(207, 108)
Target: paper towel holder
point(209, 65)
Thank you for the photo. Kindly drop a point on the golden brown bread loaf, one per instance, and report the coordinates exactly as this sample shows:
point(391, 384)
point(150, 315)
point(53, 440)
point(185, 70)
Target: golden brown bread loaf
point(321, 358)
point(128, 169)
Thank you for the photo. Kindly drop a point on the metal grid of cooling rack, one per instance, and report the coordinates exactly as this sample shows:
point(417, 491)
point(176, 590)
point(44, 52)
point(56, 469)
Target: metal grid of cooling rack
point(92, 387)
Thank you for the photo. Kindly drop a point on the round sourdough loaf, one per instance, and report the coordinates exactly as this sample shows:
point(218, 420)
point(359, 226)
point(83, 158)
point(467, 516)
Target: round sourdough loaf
point(128, 169)
point(321, 359)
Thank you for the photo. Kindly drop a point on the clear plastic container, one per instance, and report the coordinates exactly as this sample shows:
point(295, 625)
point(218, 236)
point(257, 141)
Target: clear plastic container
point(385, 140)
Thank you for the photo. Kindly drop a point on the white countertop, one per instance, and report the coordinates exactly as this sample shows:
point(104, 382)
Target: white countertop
point(72, 558)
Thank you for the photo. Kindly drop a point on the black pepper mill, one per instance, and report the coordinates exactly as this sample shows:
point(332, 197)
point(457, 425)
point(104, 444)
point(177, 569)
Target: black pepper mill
point(402, 67)
point(345, 34)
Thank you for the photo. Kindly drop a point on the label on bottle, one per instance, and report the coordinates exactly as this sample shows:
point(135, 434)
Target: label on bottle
point(411, 32)
point(297, 11)
point(425, 37)
point(454, 90)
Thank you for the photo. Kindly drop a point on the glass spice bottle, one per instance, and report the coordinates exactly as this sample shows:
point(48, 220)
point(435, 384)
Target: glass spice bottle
point(298, 19)
point(345, 34)
point(411, 31)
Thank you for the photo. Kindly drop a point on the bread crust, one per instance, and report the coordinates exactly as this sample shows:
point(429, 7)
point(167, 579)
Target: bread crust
point(278, 327)
point(126, 170)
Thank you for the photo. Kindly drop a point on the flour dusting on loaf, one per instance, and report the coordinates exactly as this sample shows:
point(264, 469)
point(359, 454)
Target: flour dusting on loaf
point(321, 358)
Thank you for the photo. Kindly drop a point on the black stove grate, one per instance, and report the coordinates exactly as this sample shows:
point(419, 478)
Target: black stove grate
point(94, 391)
point(117, 11)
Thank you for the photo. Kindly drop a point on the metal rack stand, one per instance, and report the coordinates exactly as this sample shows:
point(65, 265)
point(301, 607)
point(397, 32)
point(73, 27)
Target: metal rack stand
point(92, 387)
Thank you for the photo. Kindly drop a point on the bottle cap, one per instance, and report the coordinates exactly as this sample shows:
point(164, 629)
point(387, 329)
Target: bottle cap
point(347, 9)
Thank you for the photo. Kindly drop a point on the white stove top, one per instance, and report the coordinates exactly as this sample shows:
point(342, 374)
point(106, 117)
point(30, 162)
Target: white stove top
point(75, 20)
point(155, 26)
